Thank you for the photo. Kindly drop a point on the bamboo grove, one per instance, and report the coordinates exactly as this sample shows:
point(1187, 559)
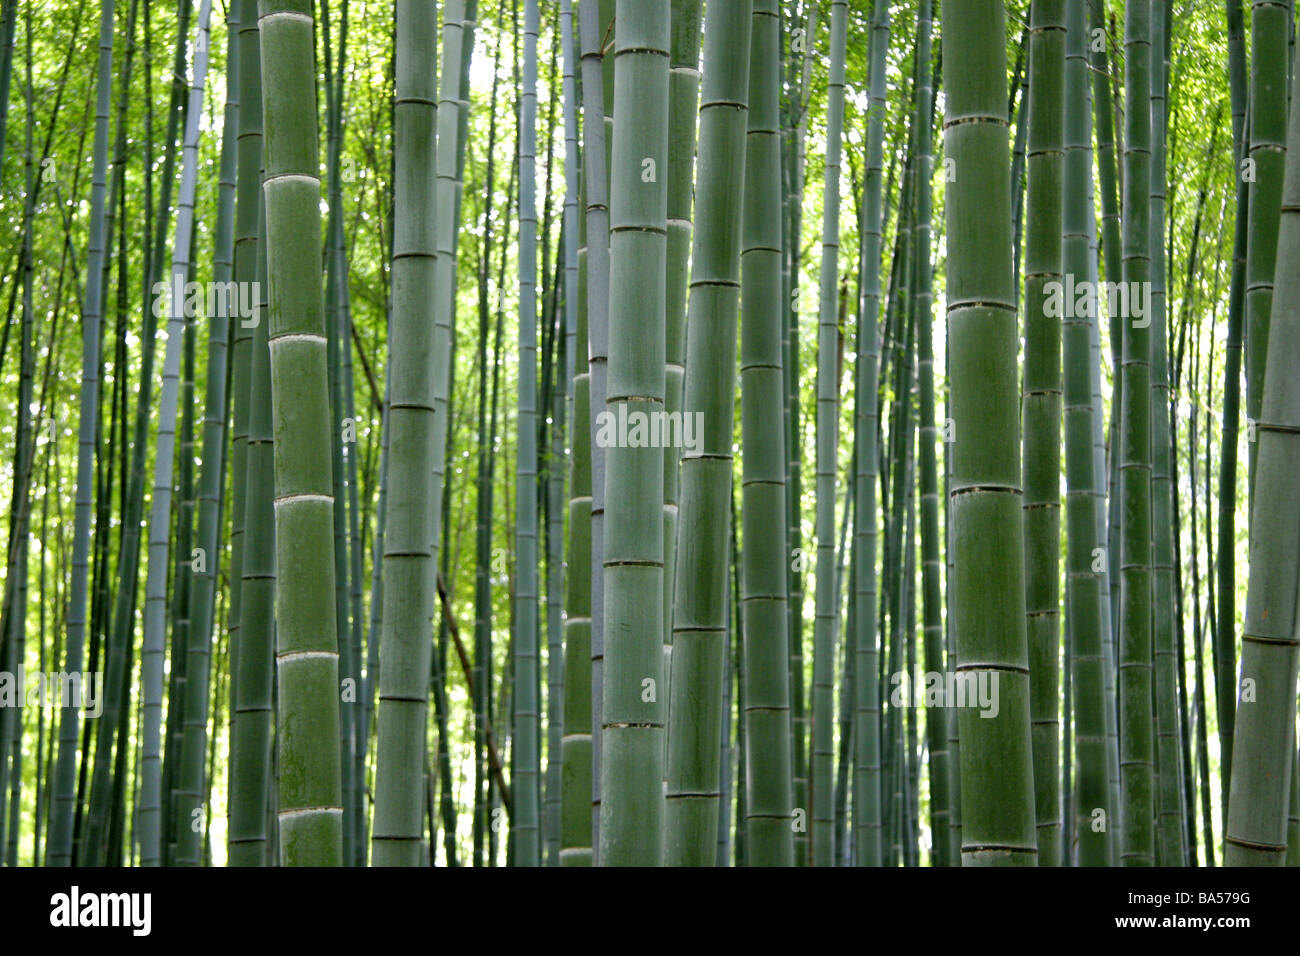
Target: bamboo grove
point(649, 432)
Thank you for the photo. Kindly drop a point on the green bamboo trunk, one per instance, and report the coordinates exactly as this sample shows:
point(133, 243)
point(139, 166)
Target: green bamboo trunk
point(310, 812)
point(683, 109)
point(1042, 409)
point(1225, 641)
point(1270, 28)
point(866, 717)
point(769, 837)
point(406, 639)
point(997, 796)
point(575, 745)
point(525, 778)
point(1108, 474)
point(1263, 758)
point(794, 169)
point(632, 728)
point(1084, 593)
point(827, 444)
point(1135, 699)
point(250, 634)
point(700, 617)
point(483, 479)
point(457, 39)
point(252, 773)
point(1171, 823)
point(596, 26)
point(575, 799)
point(335, 282)
point(558, 786)
point(936, 730)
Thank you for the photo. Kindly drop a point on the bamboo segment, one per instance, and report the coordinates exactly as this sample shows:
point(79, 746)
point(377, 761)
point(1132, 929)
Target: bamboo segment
point(866, 717)
point(1225, 644)
point(251, 718)
point(704, 532)
point(575, 746)
point(310, 812)
point(1108, 476)
point(406, 642)
point(1263, 758)
point(1137, 754)
point(1084, 592)
point(683, 108)
point(598, 100)
point(827, 444)
point(988, 594)
point(1270, 28)
point(936, 729)
point(793, 171)
point(525, 823)
point(1171, 823)
point(632, 728)
point(1042, 410)
point(769, 838)
point(254, 726)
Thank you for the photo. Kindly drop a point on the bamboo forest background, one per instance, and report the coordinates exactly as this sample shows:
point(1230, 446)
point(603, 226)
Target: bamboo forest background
point(311, 313)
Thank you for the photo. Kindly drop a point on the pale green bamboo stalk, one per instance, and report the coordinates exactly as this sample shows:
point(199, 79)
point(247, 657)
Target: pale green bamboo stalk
point(1084, 591)
point(334, 283)
point(596, 25)
point(1270, 26)
point(310, 812)
point(1041, 400)
point(768, 813)
point(936, 729)
point(997, 801)
point(1171, 824)
point(700, 616)
point(155, 612)
point(575, 745)
point(1135, 704)
point(1263, 757)
point(794, 177)
point(683, 105)
point(866, 726)
point(827, 445)
point(1225, 636)
point(411, 528)
point(250, 633)
point(632, 729)
point(447, 163)
point(1103, 106)
point(525, 825)
point(252, 820)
